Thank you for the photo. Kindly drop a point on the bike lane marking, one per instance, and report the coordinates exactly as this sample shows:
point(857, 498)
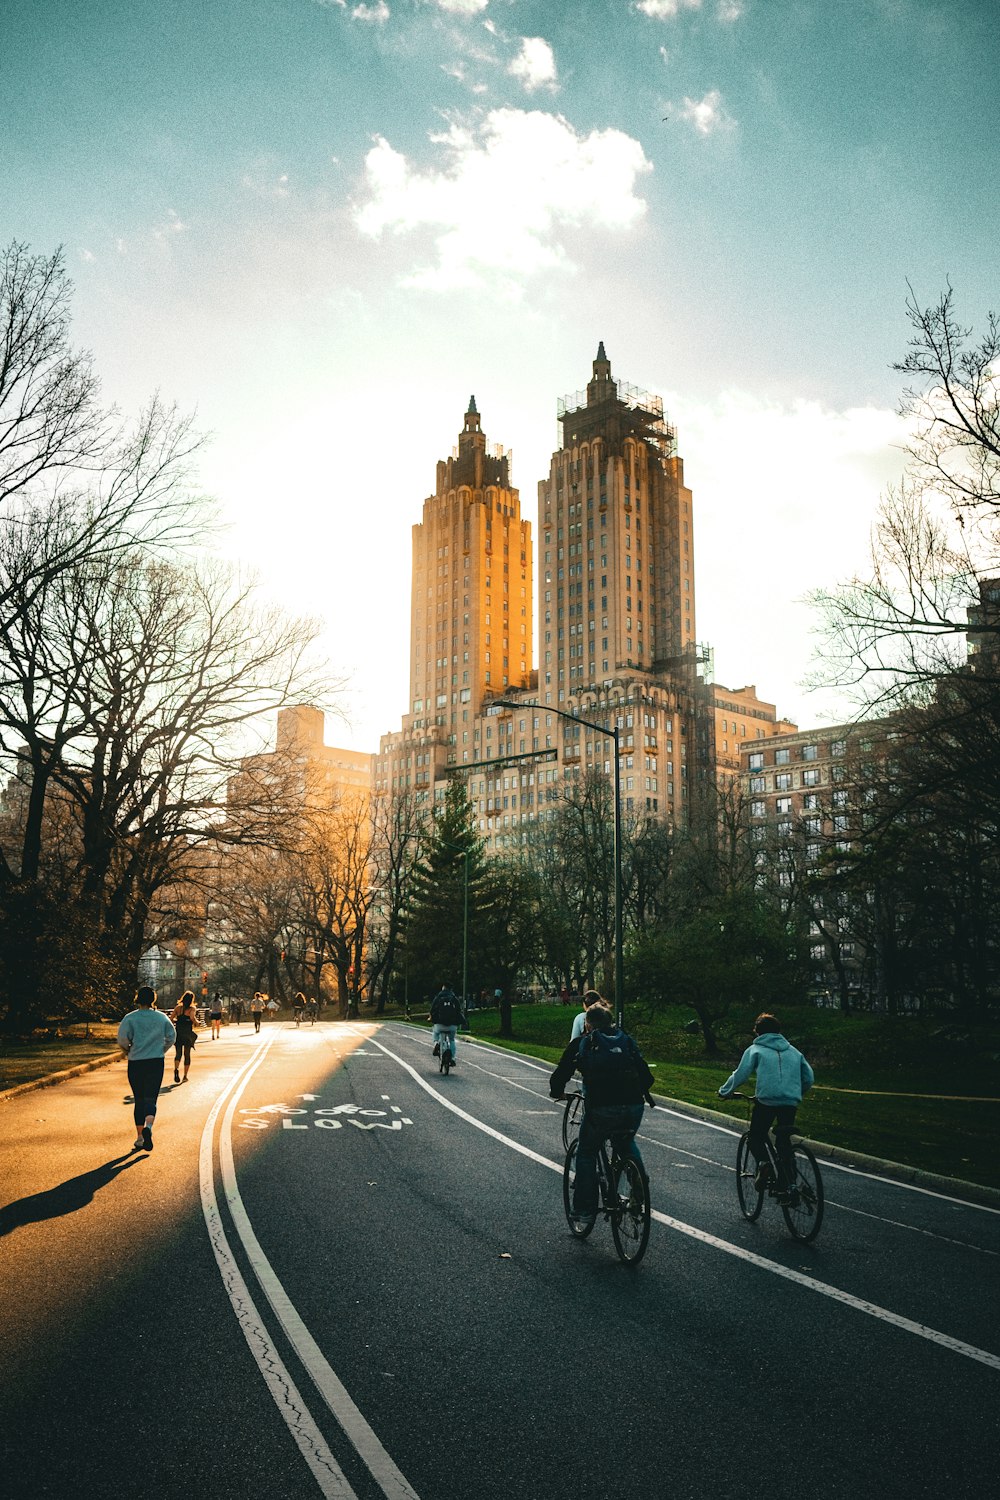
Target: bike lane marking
point(390, 1479)
point(846, 1299)
point(329, 1476)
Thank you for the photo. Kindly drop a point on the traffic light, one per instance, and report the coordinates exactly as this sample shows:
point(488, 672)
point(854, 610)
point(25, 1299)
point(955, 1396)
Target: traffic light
point(282, 955)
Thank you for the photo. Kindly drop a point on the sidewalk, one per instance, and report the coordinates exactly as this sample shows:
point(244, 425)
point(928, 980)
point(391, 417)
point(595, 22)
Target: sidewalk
point(47, 1079)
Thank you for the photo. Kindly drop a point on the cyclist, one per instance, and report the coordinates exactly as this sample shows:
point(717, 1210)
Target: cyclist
point(616, 1079)
point(783, 1076)
point(298, 1006)
point(591, 997)
point(446, 1013)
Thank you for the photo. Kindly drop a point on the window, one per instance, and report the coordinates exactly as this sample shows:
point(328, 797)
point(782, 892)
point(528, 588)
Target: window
point(782, 757)
point(838, 747)
point(839, 799)
point(784, 828)
point(783, 781)
point(783, 805)
point(810, 776)
point(758, 809)
point(756, 783)
point(809, 752)
point(756, 762)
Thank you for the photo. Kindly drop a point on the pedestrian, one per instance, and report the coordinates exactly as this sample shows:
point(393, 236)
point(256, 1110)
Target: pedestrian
point(236, 1011)
point(185, 1019)
point(257, 1009)
point(215, 1016)
point(145, 1036)
point(591, 997)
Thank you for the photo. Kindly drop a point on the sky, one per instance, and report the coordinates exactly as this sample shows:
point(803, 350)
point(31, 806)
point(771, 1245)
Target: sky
point(321, 225)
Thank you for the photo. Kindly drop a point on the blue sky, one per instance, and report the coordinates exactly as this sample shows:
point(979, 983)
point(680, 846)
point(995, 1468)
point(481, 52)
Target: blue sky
point(323, 225)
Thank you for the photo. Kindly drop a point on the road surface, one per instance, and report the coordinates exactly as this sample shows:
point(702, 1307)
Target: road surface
point(340, 1274)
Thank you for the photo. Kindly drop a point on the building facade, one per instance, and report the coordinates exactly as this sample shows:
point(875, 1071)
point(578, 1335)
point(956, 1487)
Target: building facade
point(617, 623)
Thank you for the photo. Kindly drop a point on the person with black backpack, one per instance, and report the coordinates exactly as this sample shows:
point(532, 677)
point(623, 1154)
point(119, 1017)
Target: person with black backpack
point(617, 1080)
point(446, 1013)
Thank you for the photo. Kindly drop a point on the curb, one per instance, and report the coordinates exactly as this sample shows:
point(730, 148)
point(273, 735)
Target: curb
point(932, 1182)
point(47, 1079)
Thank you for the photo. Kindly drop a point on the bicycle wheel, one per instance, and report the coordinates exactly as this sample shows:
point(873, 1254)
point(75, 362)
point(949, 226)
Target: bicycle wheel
point(804, 1209)
point(751, 1198)
point(445, 1059)
point(572, 1115)
point(630, 1220)
point(577, 1228)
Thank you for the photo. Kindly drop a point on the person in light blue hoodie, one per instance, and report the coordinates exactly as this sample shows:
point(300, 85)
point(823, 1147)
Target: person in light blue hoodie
point(145, 1036)
point(783, 1076)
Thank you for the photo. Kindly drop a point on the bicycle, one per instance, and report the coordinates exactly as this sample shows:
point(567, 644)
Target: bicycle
point(446, 1056)
point(801, 1202)
point(623, 1198)
point(572, 1119)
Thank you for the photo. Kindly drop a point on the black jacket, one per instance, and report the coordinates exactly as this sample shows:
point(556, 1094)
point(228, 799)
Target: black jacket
point(625, 1085)
point(442, 1000)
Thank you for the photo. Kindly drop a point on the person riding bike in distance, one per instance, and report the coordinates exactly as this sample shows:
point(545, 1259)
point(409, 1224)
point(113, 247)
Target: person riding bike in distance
point(783, 1076)
point(617, 1080)
point(446, 1013)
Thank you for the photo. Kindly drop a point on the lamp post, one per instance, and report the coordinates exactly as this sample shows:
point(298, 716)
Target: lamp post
point(617, 844)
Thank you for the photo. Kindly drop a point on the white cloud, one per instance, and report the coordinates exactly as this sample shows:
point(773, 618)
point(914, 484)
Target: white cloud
point(377, 15)
point(535, 64)
point(665, 10)
point(763, 474)
point(706, 115)
point(512, 189)
point(87, 255)
point(730, 10)
point(174, 225)
point(463, 7)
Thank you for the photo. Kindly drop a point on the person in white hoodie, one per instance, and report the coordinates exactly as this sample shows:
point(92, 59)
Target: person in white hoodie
point(783, 1076)
point(145, 1036)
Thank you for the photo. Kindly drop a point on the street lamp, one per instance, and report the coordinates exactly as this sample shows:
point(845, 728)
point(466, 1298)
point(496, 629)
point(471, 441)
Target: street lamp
point(613, 732)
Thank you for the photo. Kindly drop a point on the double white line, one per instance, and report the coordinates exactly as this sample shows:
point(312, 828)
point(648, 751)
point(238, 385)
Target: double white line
point(332, 1481)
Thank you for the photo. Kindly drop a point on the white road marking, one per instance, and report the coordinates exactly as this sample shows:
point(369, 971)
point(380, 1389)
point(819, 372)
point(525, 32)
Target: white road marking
point(847, 1299)
point(392, 1482)
point(737, 1129)
point(308, 1439)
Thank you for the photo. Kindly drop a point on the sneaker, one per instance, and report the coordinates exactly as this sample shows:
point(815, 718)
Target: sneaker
point(177, 1076)
point(582, 1222)
point(137, 1145)
point(147, 1138)
point(762, 1177)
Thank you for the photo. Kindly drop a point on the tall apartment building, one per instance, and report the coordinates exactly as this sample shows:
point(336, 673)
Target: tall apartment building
point(470, 611)
point(617, 539)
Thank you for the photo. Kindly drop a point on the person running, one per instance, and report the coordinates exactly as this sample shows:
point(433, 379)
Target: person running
point(145, 1036)
point(185, 1019)
point(591, 997)
point(617, 1080)
point(446, 1013)
point(236, 1011)
point(257, 1009)
point(783, 1076)
point(215, 1016)
point(298, 1006)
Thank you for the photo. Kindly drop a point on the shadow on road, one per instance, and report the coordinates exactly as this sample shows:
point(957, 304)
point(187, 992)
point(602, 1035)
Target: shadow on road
point(64, 1199)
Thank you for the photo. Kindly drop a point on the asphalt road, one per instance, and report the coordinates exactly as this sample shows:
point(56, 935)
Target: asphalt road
point(339, 1274)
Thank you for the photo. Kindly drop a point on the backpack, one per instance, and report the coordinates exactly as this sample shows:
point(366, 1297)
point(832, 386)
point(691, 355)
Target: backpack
point(449, 1012)
point(610, 1057)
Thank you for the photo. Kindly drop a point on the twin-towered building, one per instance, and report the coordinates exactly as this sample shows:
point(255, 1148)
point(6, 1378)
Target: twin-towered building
point(616, 619)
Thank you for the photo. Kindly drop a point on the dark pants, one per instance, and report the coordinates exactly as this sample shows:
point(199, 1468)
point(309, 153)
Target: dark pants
point(615, 1122)
point(183, 1045)
point(256, 1020)
point(782, 1116)
point(144, 1079)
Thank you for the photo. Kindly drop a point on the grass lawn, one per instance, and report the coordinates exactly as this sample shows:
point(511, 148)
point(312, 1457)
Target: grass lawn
point(22, 1061)
point(876, 1060)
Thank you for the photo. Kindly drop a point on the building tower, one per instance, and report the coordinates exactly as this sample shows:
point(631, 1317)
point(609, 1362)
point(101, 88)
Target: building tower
point(616, 585)
point(470, 609)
